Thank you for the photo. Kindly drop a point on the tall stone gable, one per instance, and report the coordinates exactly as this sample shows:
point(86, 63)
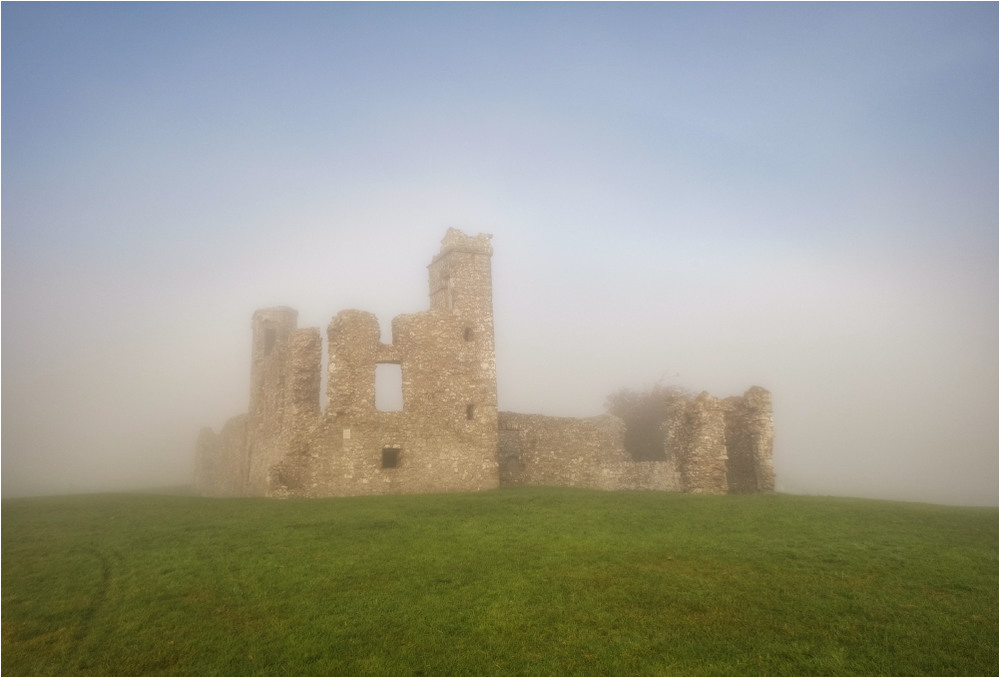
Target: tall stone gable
point(449, 435)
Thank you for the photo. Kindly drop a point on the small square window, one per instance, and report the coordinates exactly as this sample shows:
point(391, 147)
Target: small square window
point(390, 457)
point(468, 334)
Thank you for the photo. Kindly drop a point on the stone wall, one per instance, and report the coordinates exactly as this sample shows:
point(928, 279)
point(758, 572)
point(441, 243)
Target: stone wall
point(540, 450)
point(721, 447)
point(695, 440)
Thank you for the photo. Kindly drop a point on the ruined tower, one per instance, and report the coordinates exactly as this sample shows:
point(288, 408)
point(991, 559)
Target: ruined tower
point(461, 283)
point(270, 328)
point(447, 435)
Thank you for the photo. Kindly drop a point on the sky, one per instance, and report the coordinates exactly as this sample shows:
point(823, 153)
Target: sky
point(711, 196)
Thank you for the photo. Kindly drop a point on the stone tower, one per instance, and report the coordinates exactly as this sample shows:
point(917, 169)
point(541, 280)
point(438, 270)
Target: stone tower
point(271, 328)
point(461, 283)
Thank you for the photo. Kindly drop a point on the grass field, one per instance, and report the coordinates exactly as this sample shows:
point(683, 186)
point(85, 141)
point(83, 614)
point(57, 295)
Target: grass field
point(515, 581)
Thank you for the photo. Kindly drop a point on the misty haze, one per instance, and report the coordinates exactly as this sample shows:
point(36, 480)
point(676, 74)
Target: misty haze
point(802, 198)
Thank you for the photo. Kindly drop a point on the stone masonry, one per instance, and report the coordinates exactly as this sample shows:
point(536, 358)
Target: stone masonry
point(449, 435)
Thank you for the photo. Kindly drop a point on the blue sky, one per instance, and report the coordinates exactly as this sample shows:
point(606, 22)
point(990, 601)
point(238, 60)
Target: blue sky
point(800, 196)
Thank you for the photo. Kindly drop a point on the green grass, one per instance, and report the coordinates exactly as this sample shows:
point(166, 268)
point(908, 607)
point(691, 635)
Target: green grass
point(534, 581)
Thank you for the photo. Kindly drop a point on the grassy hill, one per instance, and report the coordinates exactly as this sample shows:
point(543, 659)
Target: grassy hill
point(517, 581)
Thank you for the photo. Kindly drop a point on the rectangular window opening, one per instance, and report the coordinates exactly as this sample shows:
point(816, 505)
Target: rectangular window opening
point(470, 412)
point(388, 387)
point(390, 457)
point(270, 336)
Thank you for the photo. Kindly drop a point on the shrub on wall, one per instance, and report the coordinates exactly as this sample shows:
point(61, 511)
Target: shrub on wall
point(644, 413)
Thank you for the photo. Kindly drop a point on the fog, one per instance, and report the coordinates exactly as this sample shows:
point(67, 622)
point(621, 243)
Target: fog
point(713, 196)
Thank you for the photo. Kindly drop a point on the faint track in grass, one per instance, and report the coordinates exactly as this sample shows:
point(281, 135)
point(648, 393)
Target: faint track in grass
point(99, 599)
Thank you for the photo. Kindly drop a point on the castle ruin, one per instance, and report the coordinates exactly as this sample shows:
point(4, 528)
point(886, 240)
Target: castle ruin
point(449, 435)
